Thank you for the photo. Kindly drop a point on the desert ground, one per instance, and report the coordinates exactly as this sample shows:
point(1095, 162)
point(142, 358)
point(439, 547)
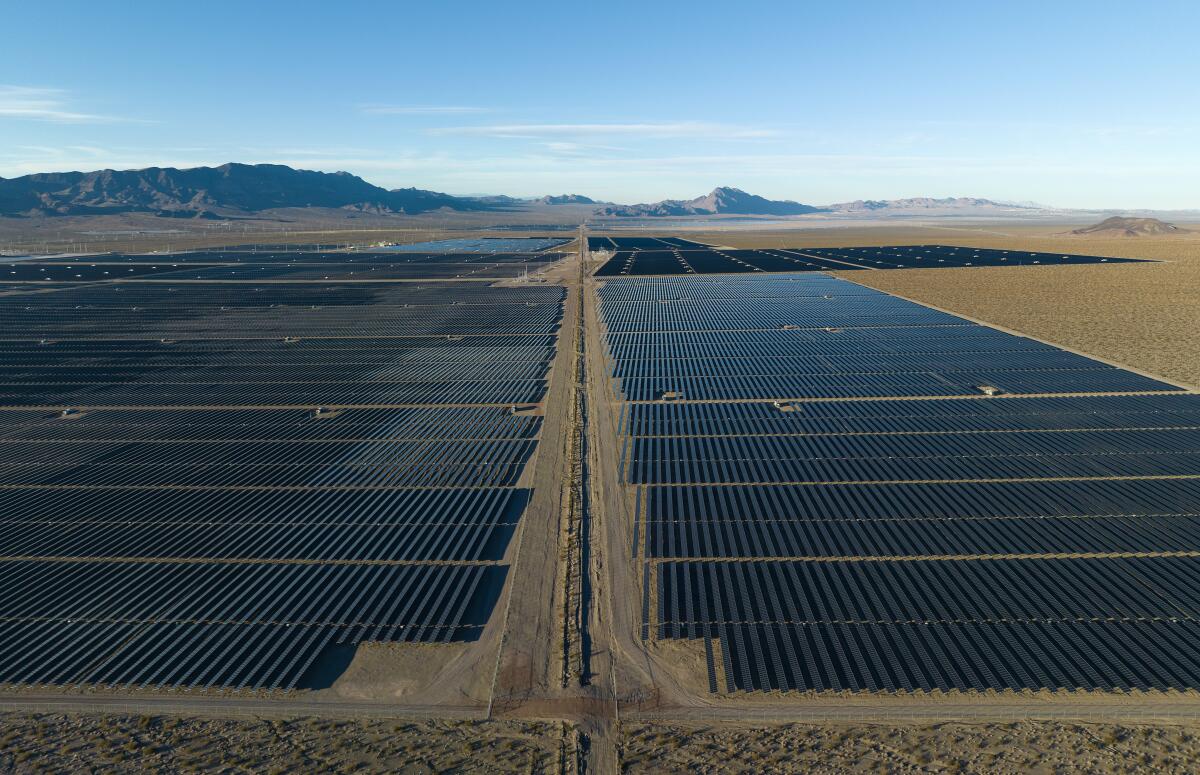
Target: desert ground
point(142, 743)
point(1017, 747)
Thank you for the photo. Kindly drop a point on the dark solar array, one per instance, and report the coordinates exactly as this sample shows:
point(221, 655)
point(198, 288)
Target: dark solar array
point(685, 260)
point(71, 271)
point(222, 294)
point(642, 243)
point(279, 266)
point(824, 339)
point(483, 245)
point(934, 537)
point(230, 625)
point(345, 259)
point(937, 256)
point(213, 484)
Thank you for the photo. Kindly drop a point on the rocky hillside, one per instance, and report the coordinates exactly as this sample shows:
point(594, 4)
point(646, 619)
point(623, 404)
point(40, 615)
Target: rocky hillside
point(1120, 226)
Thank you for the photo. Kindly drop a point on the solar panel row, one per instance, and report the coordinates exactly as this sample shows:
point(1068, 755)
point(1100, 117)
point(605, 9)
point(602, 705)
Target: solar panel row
point(204, 295)
point(950, 415)
point(304, 254)
point(37, 508)
point(284, 266)
point(180, 322)
point(1105, 655)
point(484, 245)
point(937, 256)
point(415, 423)
point(684, 260)
point(693, 595)
point(640, 243)
point(937, 537)
point(276, 393)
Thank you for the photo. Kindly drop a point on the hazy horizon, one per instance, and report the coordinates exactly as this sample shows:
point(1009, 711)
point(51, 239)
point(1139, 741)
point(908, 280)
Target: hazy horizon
point(1070, 105)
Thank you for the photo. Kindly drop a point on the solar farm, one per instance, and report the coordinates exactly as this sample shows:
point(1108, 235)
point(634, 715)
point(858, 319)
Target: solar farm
point(225, 467)
point(537, 478)
point(635, 256)
point(834, 489)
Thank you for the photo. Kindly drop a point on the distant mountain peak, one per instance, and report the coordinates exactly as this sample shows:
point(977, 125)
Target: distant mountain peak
point(722, 200)
point(567, 199)
point(925, 203)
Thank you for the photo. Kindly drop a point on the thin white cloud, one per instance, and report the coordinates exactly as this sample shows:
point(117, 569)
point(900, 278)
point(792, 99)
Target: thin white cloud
point(33, 103)
point(652, 129)
point(419, 110)
point(569, 148)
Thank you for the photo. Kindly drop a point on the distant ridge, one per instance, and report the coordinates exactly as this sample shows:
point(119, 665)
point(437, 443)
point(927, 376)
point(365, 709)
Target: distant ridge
point(924, 203)
point(209, 192)
point(720, 201)
point(1121, 226)
point(567, 199)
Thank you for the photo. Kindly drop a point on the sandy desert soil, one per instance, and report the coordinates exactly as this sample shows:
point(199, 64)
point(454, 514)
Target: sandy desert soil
point(118, 743)
point(1143, 315)
point(396, 671)
point(1022, 747)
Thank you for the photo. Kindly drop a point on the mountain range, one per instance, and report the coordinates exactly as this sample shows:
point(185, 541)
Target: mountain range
point(214, 192)
point(244, 190)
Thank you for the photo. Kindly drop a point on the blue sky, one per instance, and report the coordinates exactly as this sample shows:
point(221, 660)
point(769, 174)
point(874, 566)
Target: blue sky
point(1085, 104)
